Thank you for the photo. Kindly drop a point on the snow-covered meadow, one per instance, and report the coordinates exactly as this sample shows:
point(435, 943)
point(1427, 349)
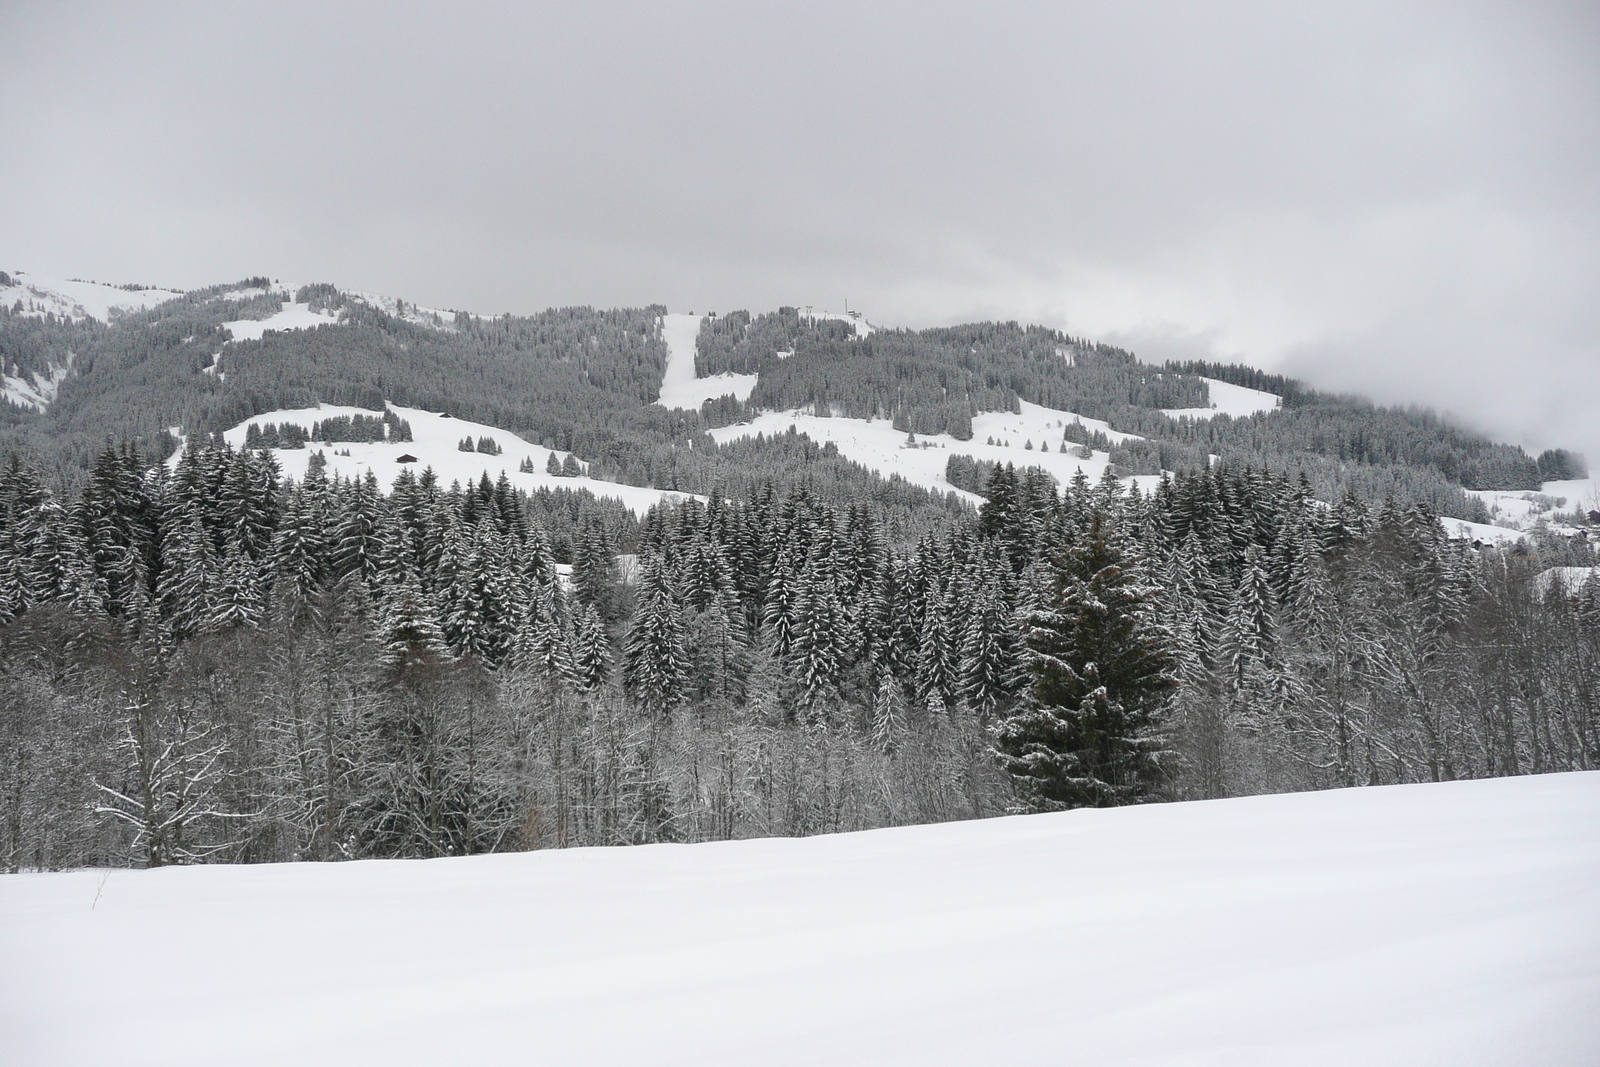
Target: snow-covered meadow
point(878, 446)
point(436, 440)
point(1456, 924)
point(1236, 401)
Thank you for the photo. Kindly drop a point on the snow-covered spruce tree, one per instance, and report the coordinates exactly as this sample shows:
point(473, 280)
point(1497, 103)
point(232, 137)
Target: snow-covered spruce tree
point(814, 652)
point(1099, 671)
point(591, 652)
point(655, 667)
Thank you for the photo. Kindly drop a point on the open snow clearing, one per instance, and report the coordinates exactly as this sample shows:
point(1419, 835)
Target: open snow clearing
point(1235, 401)
point(436, 443)
point(1441, 924)
point(878, 446)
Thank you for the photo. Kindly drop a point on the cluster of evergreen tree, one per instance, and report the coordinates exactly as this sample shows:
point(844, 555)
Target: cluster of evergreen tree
point(204, 662)
point(361, 428)
point(275, 435)
point(931, 381)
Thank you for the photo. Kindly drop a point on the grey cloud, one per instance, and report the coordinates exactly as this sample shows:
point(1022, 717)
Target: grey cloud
point(1385, 197)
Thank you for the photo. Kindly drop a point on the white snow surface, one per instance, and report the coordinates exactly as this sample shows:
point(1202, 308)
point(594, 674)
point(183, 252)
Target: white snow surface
point(1528, 510)
point(679, 387)
point(291, 317)
point(1463, 530)
point(33, 390)
point(436, 439)
point(1230, 399)
point(878, 446)
point(1448, 924)
point(76, 299)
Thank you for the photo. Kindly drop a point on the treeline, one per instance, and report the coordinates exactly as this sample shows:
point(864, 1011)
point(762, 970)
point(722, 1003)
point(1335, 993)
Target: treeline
point(208, 664)
point(929, 381)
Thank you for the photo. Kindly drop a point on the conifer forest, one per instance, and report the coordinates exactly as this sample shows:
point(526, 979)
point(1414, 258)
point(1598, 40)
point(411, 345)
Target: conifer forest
point(205, 661)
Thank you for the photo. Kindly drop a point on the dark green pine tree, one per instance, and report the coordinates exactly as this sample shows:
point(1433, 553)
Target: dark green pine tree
point(410, 635)
point(591, 652)
point(237, 602)
point(987, 658)
point(655, 667)
point(1099, 672)
point(814, 653)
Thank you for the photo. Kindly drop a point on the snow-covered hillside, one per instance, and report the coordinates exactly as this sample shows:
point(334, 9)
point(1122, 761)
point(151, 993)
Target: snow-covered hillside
point(35, 390)
point(40, 296)
point(1229, 399)
point(679, 387)
point(878, 446)
point(1450, 924)
point(291, 317)
point(436, 444)
point(1529, 510)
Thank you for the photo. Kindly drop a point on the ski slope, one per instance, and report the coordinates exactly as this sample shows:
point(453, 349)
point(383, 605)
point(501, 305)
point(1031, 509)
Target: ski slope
point(436, 439)
point(878, 446)
point(42, 296)
point(1453, 924)
point(679, 387)
point(1228, 399)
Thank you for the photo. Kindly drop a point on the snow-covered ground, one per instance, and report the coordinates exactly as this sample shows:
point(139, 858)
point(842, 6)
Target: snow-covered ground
point(679, 387)
point(878, 446)
point(1451, 924)
point(34, 390)
point(438, 318)
point(1230, 399)
point(854, 318)
point(76, 300)
point(1528, 510)
point(291, 317)
point(435, 444)
point(1463, 530)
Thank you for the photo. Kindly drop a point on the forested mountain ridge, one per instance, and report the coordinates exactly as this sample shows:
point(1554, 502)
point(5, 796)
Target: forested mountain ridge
point(583, 380)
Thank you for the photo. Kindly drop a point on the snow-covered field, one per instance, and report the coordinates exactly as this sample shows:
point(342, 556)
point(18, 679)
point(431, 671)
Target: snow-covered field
point(1453, 924)
point(436, 443)
point(878, 446)
point(1463, 530)
point(291, 317)
point(1230, 399)
point(1527, 510)
point(76, 300)
point(679, 387)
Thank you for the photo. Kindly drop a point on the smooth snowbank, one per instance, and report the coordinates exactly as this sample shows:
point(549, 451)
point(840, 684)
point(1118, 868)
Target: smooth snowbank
point(1443, 924)
point(679, 387)
point(1229, 399)
point(435, 445)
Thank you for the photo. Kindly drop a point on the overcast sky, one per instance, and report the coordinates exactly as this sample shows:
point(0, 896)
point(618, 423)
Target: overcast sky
point(1402, 200)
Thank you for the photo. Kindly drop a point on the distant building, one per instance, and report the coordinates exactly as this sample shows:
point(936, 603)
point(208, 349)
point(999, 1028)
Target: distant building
point(405, 458)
